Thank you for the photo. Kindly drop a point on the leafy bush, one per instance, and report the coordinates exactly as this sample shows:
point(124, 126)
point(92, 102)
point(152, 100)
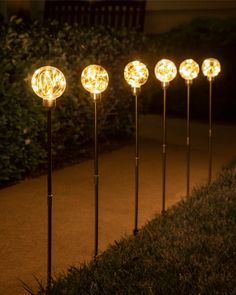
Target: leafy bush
point(27, 46)
point(200, 39)
point(189, 250)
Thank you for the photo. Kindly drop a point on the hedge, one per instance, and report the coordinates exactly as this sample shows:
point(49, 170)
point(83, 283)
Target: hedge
point(200, 39)
point(28, 46)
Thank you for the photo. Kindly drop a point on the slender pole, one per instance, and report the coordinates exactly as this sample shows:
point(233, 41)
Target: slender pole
point(210, 132)
point(49, 145)
point(188, 137)
point(96, 175)
point(164, 152)
point(136, 163)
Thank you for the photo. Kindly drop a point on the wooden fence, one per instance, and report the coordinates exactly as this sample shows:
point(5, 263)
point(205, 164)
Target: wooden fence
point(112, 13)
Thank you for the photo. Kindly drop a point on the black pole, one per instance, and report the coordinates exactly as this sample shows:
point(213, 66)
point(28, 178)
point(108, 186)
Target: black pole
point(210, 132)
point(49, 146)
point(164, 152)
point(96, 175)
point(188, 137)
point(136, 161)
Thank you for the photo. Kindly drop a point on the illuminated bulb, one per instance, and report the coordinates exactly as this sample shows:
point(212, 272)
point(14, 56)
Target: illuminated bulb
point(94, 79)
point(189, 69)
point(165, 71)
point(136, 74)
point(49, 83)
point(211, 68)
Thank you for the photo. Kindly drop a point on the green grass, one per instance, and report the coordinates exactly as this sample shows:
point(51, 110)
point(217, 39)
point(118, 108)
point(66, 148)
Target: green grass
point(189, 250)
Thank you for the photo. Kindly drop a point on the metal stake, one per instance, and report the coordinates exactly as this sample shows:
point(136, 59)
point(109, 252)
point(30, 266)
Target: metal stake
point(49, 145)
point(96, 175)
point(188, 136)
point(210, 132)
point(135, 93)
point(164, 150)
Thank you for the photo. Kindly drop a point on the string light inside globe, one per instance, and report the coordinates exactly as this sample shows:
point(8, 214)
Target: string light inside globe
point(94, 79)
point(211, 67)
point(48, 82)
point(165, 70)
point(136, 74)
point(189, 69)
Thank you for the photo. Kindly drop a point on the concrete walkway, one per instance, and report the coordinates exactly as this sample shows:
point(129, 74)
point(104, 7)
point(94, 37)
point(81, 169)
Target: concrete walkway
point(23, 207)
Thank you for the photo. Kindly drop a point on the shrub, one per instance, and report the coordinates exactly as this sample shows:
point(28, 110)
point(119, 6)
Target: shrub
point(27, 46)
point(202, 38)
point(24, 48)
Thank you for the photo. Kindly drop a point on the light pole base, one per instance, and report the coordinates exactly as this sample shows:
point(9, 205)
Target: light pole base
point(95, 96)
point(136, 90)
point(49, 103)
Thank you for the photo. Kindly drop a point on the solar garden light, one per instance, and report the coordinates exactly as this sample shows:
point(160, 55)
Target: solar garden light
point(136, 75)
point(210, 68)
point(188, 70)
point(165, 71)
point(49, 83)
point(95, 80)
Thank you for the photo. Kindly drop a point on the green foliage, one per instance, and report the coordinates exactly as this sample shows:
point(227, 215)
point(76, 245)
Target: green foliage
point(200, 39)
point(188, 251)
point(24, 48)
point(27, 46)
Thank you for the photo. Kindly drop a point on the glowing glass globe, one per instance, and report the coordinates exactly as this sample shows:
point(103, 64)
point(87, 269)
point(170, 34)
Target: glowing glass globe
point(189, 69)
point(94, 79)
point(165, 70)
point(136, 74)
point(48, 82)
point(211, 67)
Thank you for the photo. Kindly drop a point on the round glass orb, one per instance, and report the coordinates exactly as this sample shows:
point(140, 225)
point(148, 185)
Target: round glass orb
point(165, 70)
point(189, 69)
point(136, 74)
point(48, 82)
point(94, 79)
point(211, 67)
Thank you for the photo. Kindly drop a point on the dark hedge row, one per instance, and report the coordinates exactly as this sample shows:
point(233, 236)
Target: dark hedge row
point(27, 46)
point(200, 39)
point(24, 48)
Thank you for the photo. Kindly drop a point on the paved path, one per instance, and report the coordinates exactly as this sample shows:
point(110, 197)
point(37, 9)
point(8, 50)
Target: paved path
point(23, 207)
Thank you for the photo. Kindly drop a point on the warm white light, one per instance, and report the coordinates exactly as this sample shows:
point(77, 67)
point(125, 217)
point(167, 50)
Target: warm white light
point(94, 79)
point(48, 82)
point(136, 74)
point(165, 70)
point(211, 67)
point(189, 69)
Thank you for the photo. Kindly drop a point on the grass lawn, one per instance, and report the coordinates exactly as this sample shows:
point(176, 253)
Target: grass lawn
point(189, 250)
